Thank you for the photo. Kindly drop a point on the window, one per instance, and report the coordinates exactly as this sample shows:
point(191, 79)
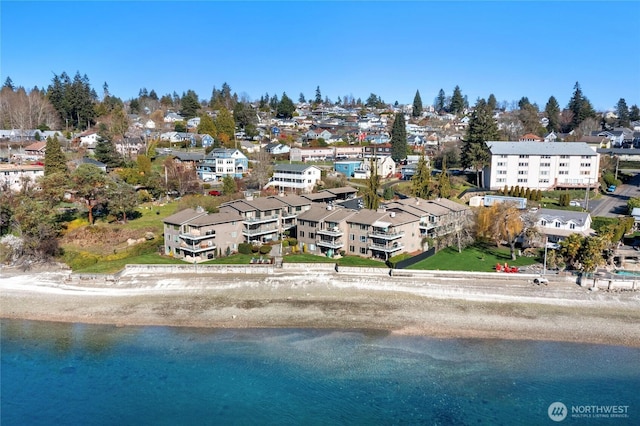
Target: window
point(543, 223)
point(585, 157)
point(302, 233)
point(557, 224)
point(501, 163)
point(522, 180)
point(522, 172)
point(572, 226)
point(501, 180)
point(352, 237)
point(564, 156)
point(502, 156)
point(363, 250)
point(364, 227)
point(523, 164)
point(585, 172)
point(545, 156)
point(585, 164)
point(502, 172)
point(523, 156)
point(234, 234)
point(311, 235)
point(363, 238)
point(543, 180)
point(544, 172)
point(563, 172)
point(352, 249)
point(545, 164)
point(564, 164)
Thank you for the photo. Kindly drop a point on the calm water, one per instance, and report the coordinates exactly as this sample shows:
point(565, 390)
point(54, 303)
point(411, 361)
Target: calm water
point(74, 374)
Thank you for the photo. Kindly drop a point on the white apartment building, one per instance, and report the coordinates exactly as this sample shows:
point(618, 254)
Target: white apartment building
point(15, 176)
point(541, 165)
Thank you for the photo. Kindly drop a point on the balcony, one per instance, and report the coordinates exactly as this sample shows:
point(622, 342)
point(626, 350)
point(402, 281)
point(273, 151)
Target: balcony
point(332, 244)
point(261, 230)
point(197, 248)
point(197, 235)
point(385, 235)
point(387, 248)
point(263, 219)
point(427, 225)
point(332, 232)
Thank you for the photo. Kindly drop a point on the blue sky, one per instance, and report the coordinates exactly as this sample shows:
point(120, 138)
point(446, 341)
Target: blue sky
point(511, 49)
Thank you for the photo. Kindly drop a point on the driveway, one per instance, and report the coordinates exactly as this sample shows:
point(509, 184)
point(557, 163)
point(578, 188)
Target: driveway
point(614, 205)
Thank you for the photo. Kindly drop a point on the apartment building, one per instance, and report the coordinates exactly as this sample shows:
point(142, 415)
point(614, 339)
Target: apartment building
point(195, 235)
point(541, 165)
point(266, 219)
point(395, 228)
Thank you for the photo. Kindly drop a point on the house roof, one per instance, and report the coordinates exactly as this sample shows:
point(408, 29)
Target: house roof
point(563, 216)
point(216, 218)
point(183, 216)
point(342, 190)
point(38, 146)
point(187, 156)
point(292, 167)
point(539, 148)
point(322, 212)
point(292, 200)
point(261, 204)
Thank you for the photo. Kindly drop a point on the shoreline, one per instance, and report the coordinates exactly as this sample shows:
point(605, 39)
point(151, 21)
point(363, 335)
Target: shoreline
point(432, 307)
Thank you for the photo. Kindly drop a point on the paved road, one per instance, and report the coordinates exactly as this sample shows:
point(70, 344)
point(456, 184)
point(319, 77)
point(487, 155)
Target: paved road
point(614, 205)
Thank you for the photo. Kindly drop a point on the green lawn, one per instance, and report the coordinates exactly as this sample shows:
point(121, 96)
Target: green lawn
point(478, 258)
point(113, 266)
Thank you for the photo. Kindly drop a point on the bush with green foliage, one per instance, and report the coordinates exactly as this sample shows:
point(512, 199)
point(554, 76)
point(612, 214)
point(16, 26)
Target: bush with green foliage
point(610, 179)
point(265, 249)
point(244, 248)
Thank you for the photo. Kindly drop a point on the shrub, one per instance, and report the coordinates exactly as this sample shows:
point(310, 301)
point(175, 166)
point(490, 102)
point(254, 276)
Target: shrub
point(265, 249)
point(244, 248)
point(292, 242)
point(254, 249)
point(285, 243)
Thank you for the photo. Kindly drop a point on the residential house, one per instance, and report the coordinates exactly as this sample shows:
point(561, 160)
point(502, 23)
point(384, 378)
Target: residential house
point(277, 148)
point(295, 177)
point(556, 225)
point(383, 150)
point(346, 152)
point(385, 167)
point(530, 137)
point(311, 154)
point(89, 138)
point(15, 176)
point(195, 236)
point(206, 140)
point(541, 165)
point(172, 117)
point(221, 162)
point(193, 123)
point(347, 168)
point(187, 160)
point(249, 146)
point(36, 150)
point(86, 160)
point(317, 134)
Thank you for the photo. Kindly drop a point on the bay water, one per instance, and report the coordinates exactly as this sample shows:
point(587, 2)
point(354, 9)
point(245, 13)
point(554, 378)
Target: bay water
point(79, 374)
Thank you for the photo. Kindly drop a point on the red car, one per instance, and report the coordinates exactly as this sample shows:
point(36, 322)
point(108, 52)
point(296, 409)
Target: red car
point(215, 193)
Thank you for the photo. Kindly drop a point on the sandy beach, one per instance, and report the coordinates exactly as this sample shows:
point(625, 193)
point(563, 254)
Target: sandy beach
point(434, 306)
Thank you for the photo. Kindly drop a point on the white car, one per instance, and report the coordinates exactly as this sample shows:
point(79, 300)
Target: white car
point(540, 280)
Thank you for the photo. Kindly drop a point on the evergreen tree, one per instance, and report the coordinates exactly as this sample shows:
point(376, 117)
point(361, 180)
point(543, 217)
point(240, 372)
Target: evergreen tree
point(552, 110)
point(370, 196)
point(421, 180)
point(623, 113)
point(634, 113)
point(54, 159)
point(580, 106)
point(457, 101)
point(399, 146)
point(444, 183)
point(207, 126)
point(285, 107)
point(301, 98)
point(229, 185)
point(8, 83)
point(492, 102)
point(225, 127)
point(440, 101)
point(105, 152)
point(482, 128)
point(318, 99)
point(190, 104)
point(417, 105)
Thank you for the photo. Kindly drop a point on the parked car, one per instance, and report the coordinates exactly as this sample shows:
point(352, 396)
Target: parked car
point(574, 203)
point(215, 193)
point(611, 189)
